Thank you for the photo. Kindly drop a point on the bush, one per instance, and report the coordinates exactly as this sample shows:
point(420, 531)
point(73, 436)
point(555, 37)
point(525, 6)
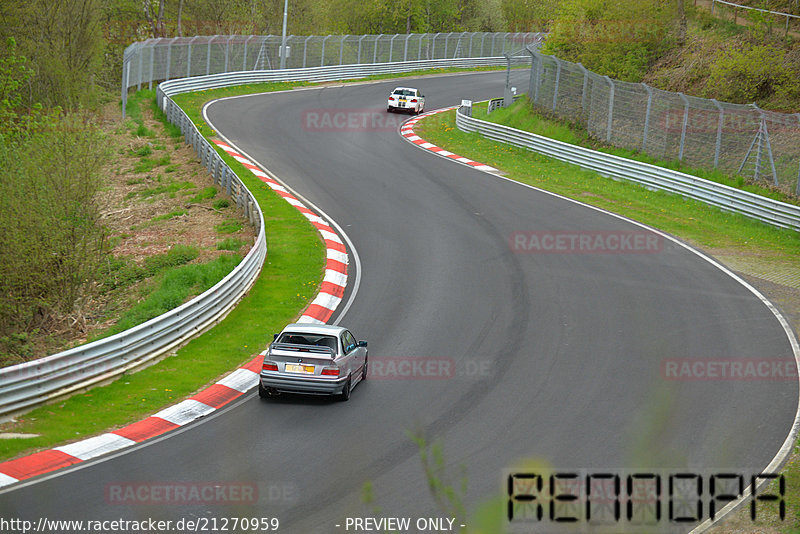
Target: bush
point(752, 73)
point(616, 39)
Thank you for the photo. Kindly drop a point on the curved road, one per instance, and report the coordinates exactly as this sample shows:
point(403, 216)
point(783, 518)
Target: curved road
point(556, 359)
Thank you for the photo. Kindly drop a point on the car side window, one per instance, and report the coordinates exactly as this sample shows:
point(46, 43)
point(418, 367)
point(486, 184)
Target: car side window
point(348, 342)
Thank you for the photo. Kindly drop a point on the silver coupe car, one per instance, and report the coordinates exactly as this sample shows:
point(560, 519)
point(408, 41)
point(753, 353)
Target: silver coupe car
point(313, 359)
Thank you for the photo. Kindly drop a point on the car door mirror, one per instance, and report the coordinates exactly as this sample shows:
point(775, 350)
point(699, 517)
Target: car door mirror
point(362, 343)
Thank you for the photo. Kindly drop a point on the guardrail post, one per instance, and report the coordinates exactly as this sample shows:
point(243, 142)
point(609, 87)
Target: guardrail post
point(647, 115)
point(720, 122)
point(610, 108)
point(341, 49)
point(685, 123)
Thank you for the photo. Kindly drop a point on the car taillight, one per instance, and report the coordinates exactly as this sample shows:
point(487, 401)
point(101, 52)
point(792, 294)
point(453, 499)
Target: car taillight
point(391, 98)
point(270, 366)
point(413, 100)
point(330, 371)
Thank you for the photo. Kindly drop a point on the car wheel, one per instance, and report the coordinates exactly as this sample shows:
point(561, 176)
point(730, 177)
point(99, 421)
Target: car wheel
point(364, 370)
point(262, 391)
point(345, 396)
point(389, 110)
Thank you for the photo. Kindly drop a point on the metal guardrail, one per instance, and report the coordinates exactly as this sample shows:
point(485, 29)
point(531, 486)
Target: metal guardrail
point(728, 198)
point(183, 57)
point(767, 11)
point(31, 383)
point(320, 74)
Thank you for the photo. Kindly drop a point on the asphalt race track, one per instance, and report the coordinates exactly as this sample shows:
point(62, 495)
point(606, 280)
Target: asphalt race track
point(530, 359)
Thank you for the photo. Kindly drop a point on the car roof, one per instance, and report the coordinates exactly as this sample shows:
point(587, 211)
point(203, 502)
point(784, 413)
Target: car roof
point(406, 88)
point(319, 329)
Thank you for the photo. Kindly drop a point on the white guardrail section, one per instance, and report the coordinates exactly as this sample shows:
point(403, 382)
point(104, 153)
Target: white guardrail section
point(28, 384)
point(728, 198)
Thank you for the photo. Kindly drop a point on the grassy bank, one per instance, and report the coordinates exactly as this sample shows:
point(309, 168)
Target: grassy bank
point(289, 278)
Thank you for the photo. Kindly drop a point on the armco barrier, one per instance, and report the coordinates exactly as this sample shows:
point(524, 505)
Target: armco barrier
point(29, 384)
point(728, 198)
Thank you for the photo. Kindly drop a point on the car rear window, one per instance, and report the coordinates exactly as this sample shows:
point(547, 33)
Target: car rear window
point(405, 92)
point(295, 338)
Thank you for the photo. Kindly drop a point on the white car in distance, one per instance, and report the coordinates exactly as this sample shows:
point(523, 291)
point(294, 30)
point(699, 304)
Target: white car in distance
point(406, 99)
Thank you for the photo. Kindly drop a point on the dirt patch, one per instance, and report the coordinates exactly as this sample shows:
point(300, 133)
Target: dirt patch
point(156, 195)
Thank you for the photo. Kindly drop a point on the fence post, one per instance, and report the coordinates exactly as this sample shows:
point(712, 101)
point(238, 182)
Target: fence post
point(139, 53)
point(305, 49)
point(685, 123)
point(470, 44)
point(358, 60)
point(419, 52)
point(405, 47)
point(152, 61)
point(610, 108)
point(169, 58)
point(720, 122)
point(583, 89)
point(647, 116)
point(208, 56)
point(558, 79)
point(433, 48)
point(244, 56)
point(375, 52)
point(189, 58)
point(126, 72)
point(322, 59)
point(391, 46)
point(341, 49)
point(533, 67)
point(227, 51)
point(483, 41)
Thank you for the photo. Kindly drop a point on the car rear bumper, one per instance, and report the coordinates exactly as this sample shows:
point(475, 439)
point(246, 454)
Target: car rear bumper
point(301, 384)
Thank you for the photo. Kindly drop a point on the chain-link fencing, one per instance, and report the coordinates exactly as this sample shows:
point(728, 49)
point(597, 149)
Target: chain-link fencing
point(703, 133)
point(156, 60)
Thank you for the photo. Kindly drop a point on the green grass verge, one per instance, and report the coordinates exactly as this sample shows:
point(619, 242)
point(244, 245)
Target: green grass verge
point(702, 224)
point(692, 221)
point(523, 116)
point(289, 279)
